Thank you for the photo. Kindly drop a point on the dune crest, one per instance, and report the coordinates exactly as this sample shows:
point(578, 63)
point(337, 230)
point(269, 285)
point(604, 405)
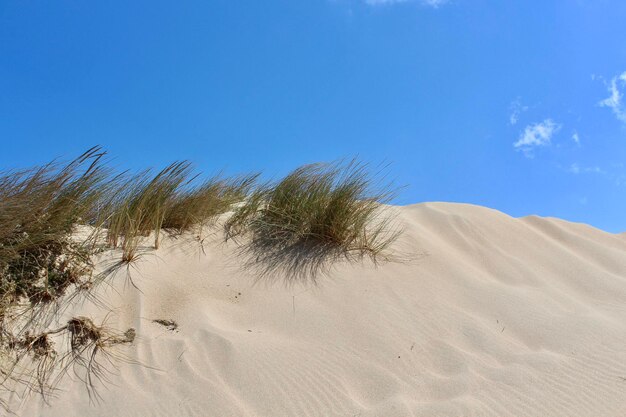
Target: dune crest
point(489, 315)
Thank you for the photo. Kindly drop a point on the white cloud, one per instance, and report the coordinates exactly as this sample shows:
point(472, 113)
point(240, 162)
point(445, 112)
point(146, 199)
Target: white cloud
point(538, 134)
point(575, 168)
point(613, 172)
point(516, 109)
point(614, 101)
point(576, 138)
point(431, 3)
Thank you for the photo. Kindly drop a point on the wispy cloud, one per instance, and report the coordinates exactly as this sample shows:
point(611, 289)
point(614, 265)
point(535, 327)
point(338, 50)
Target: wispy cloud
point(431, 3)
point(535, 135)
point(575, 168)
point(611, 172)
point(576, 138)
point(516, 109)
point(614, 101)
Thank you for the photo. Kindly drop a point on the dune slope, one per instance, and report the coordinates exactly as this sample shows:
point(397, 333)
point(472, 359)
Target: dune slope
point(488, 315)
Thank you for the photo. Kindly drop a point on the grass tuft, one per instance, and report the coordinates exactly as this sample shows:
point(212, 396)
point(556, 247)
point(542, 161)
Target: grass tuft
point(141, 207)
point(316, 214)
point(39, 211)
point(197, 207)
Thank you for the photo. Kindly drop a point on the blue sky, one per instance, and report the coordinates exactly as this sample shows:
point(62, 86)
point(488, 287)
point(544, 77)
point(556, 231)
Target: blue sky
point(515, 105)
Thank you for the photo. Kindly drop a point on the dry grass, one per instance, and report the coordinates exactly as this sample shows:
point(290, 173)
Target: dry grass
point(87, 342)
point(37, 364)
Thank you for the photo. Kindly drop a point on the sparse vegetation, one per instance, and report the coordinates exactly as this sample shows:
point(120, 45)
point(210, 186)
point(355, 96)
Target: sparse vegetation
point(170, 325)
point(52, 220)
point(55, 218)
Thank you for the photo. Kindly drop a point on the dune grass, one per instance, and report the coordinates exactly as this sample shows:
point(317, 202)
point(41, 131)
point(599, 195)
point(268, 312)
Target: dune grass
point(141, 207)
point(41, 257)
point(170, 201)
point(39, 210)
point(53, 218)
point(316, 214)
point(200, 206)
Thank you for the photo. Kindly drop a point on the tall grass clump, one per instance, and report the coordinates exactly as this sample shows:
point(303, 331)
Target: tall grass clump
point(199, 206)
point(316, 214)
point(49, 217)
point(40, 209)
point(56, 217)
point(53, 220)
point(172, 201)
point(141, 206)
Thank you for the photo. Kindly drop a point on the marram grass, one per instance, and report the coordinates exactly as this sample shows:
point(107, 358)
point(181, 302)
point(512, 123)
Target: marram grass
point(316, 214)
point(53, 217)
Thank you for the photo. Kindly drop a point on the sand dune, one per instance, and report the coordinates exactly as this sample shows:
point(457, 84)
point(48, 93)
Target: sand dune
point(488, 315)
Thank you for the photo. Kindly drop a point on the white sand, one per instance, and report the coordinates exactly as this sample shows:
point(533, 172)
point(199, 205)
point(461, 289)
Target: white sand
point(500, 317)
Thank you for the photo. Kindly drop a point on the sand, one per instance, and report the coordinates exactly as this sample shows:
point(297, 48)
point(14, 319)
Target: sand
point(487, 315)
